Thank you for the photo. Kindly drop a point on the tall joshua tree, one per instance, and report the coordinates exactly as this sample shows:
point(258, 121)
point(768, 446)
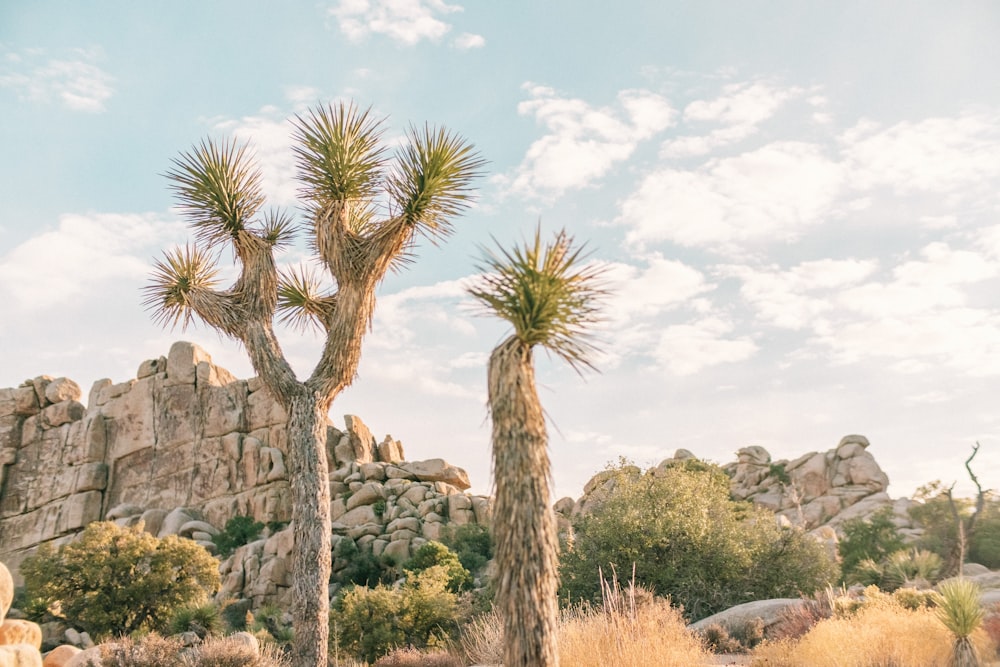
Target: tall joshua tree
point(550, 298)
point(343, 168)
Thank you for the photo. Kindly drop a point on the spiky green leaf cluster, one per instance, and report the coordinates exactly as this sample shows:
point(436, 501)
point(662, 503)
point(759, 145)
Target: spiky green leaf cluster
point(959, 609)
point(431, 180)
point(339, 153)
point(218, 187)
point(547, 292)
point(301, 303)
point(180, 272)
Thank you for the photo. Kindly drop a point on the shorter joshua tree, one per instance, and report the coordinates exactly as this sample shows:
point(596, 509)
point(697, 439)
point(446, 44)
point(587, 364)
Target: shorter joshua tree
point(551, 298)
point(961, 612)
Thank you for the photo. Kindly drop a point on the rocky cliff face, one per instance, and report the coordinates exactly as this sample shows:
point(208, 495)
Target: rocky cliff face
point(185, 446)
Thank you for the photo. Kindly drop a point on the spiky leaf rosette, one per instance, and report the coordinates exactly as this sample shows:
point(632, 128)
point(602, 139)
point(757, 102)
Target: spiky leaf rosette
point(301, 304)
point(181, 273)
point(218, 188)
point(431, 180)
point(959, 609)
point(546, 291)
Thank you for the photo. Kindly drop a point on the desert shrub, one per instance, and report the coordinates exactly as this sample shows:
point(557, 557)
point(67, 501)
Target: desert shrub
point(156, 651)
point(473, 543)
point(234, 614)
point(648, 634)
point(872, 539)
point(717, 640)
point(239, 530)
point(991, 625)
point(356, 566)
point(984, 548)
point(899, 569)
point(116, 581)
point(269, 621)
point(481, 639)
point(688, 540)
point(203, 620)
point(373, 621)
point(412, 657)
point(433, 554)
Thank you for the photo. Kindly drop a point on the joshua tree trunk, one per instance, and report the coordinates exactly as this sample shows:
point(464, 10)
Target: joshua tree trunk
point(526, 543)
point(311, 517)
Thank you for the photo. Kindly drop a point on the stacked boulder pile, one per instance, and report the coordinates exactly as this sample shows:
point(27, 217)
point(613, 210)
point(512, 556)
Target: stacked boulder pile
point(20, 640)
point(184, 447)
point(817, 491)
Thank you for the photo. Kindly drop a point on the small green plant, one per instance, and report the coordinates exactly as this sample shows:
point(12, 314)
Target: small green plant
point(778, 471)
point(961, 613)
point(379, 507)
point(239, 530)
point(203, 620)
point(269, 619)
point(873, 539)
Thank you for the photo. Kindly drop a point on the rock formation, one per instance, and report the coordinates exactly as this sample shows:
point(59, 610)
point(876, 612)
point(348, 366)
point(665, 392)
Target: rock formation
point(184, 447)
point(20, 641)
point(817, 491)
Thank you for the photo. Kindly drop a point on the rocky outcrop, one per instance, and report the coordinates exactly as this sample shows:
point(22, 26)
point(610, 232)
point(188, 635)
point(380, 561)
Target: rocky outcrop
point(817, 491)
point(20, 640)
point(185, 446)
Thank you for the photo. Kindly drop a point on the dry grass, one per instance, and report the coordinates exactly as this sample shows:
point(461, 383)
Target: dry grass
point(155, 651)
point(411, 657)
point(651, 634)
point(884, 635)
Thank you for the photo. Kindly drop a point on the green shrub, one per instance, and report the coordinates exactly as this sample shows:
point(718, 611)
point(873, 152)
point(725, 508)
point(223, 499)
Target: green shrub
point(688, 540)
point(116, 581)
point(239, 530)
point(872, 539)
point(473, 543)
point(371, 622)
point(434, 553)
point(960, 612)
point(362, 567)
point(269, 620)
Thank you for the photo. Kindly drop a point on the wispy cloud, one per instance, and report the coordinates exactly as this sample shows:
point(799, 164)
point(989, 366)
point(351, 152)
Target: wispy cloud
point(583, 142)
point(82, 254)
point(405, 21)
point(76, 81)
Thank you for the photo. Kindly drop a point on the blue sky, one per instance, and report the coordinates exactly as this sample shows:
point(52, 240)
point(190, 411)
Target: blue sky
point(797, 203)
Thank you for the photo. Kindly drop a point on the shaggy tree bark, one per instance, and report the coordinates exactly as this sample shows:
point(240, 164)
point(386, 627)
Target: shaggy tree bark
point(524, 527)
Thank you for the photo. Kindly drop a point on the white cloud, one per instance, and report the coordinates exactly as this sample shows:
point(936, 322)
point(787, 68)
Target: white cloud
point(78, 82)
point(467, 41)
point(583, 142)
point(770, 194)
point(83, 253)
point(662, 284)
point(406, 21)
point(936, 155)
point(270, 136)
point(685, 349)
point(740, 109)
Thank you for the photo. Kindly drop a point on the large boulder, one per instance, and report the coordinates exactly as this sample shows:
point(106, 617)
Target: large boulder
point(438, 470)
point(18, 631)
point(60, 656)
point(21, 655)
point(736, 618)
point(6, 591)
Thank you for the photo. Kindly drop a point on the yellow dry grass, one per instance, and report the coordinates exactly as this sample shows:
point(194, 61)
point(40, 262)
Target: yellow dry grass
point(652, 634)
point(878, 636)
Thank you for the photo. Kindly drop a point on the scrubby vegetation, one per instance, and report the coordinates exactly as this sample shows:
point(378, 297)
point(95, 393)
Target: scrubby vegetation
point(153, 650)
point(115, 581)
point(238, 531)
point(688, 540)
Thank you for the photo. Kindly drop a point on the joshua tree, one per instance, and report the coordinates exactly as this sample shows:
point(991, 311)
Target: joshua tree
point(550, 298)
point(342, 167)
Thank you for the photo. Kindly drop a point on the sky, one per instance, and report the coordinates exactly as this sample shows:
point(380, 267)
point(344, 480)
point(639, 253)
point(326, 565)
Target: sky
point(796, 204)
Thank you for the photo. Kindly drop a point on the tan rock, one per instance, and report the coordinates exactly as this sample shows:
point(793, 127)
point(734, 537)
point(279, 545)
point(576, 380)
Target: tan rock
point(182, 363)
point(18, 631)
point(60, 656)
point(6, 591)
point(62, 389)
point(91, 657)
point(366, 495)
point(438, 470)
point(21, 655)
point(390, 451)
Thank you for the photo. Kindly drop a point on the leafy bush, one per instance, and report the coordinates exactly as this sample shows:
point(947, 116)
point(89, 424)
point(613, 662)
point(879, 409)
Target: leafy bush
point(239, 530)
point(354, 566)
point(688, 540)
point(473, 543)
point(871, 539)
point(116, 581)
point(269, 623)
point(371, 622)
point(434, 553)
